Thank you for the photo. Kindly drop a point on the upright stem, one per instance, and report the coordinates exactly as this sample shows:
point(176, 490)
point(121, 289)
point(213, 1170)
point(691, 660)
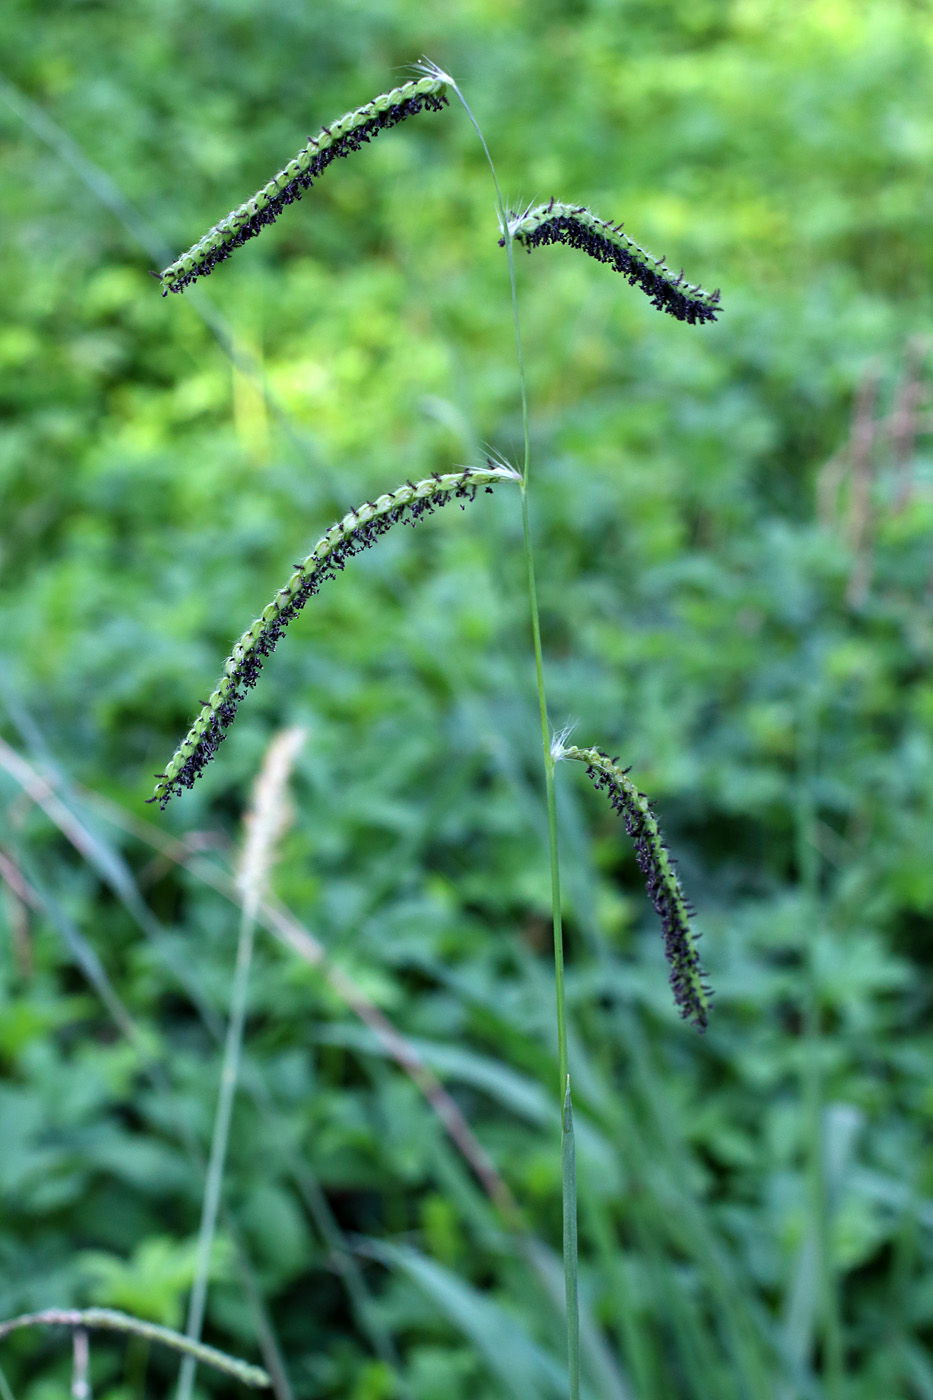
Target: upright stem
point(568, 1164)
point(551, 803)
point(535, 623)
point(228, 1081)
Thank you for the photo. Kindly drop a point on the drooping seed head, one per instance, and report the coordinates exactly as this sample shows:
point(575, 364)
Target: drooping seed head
point(358, 530)
point(348, 134)
point(691, 992)
point(579, 227)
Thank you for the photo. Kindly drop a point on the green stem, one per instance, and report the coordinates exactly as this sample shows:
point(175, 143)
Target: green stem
point(535, 625)
point(215, 1170)
point(504, 225)
point(567, 1142)
point(551, 801)
point(568, 1165)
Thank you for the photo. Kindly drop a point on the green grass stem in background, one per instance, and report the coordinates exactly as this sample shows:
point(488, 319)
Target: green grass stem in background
point(818, 1244)
point(568, 1194)
point(264, 825)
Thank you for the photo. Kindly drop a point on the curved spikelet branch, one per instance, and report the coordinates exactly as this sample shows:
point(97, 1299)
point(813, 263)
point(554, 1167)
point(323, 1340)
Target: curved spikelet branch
point(357, 531)
point(691, 992)
point(112, 1321)
point(349, 133)
point(581, 228)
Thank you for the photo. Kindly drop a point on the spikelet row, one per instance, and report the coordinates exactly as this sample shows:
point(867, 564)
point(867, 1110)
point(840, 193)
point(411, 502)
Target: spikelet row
point(357, 531)
point(579, 227)
point(691, 992)
point(345, 135)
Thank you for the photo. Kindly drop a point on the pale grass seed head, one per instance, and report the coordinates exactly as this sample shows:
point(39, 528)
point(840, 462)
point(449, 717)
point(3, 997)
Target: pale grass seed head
point(269, 814)
point(111, 1320)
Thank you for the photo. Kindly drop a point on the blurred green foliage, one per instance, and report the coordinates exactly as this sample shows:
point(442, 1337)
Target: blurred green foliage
point(736, 570)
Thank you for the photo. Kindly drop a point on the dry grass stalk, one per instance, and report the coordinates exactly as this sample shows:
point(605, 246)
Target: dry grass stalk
point(109, 1320)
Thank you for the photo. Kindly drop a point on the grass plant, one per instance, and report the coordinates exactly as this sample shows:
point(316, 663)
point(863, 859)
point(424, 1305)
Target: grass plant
point(554, 222)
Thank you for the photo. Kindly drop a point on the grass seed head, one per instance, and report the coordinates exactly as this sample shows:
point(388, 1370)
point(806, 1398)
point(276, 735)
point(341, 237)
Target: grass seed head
point(358, 530)
point(688, 981)
point(579, 227)
point(350, 133)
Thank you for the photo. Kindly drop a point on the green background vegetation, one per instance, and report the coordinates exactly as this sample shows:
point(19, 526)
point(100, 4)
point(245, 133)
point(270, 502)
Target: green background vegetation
point(735, 536)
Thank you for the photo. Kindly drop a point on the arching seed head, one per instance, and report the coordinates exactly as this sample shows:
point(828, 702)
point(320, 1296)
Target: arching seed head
point(358, 530)
point(350, 133)
point(579, 227)
point(691, 992)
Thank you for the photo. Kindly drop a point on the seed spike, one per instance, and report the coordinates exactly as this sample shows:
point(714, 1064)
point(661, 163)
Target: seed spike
point(687, 978)
point(409, 503)
point(579, 227)
point(426, 93)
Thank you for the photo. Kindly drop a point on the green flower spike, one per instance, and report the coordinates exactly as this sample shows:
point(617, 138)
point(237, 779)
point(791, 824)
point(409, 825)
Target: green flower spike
point(349, 133)
point(691, 992)
point(355, 532)
point(580, 228)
